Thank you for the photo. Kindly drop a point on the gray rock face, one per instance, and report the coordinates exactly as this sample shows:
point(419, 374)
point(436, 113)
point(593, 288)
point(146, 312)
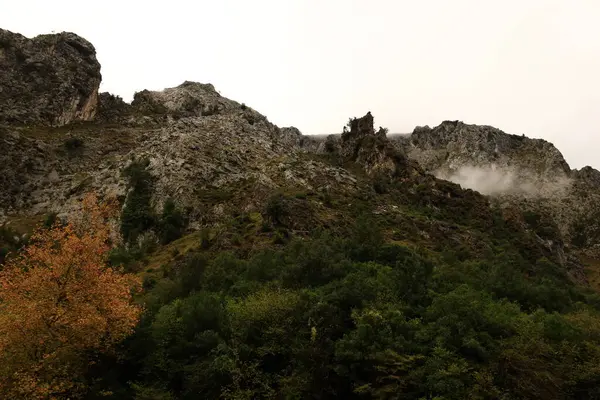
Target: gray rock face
point(230, 158)
point(190, 99)
point(530, 174)
point(486, 159)
point(212, 153)
point(49, 80)
point(587, 176)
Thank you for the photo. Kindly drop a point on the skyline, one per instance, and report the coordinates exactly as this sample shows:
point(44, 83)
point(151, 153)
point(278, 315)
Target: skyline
point(523, 68)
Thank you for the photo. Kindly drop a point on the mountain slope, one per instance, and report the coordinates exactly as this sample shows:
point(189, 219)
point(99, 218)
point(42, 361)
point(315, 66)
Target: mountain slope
point(277, 265)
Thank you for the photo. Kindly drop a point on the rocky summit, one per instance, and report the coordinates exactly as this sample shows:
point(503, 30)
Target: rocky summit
point(48, 80)
point(454, 262)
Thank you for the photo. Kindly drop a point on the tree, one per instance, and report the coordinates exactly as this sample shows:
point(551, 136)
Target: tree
point(60, 302)
point(138, 215)
point(172, 222)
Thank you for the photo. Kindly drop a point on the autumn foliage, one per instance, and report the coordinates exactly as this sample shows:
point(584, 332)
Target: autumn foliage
point(59, 302)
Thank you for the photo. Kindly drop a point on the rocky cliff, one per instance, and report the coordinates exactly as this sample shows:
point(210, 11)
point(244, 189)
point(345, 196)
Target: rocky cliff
point(515, 170)
point(487, 159)
point(49, 80)
point(265, 255)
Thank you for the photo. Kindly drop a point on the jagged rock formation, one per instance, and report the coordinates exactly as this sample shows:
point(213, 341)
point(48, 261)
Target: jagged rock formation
point(112, 109)
point(361, 144)
point(217, 156)
point(346, 232)
point(190, 99)
point(50, 79)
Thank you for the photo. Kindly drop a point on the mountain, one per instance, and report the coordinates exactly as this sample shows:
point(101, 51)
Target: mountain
point(454, 262)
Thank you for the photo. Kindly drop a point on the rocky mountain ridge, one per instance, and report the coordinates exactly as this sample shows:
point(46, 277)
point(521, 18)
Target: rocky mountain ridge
point(217, 156)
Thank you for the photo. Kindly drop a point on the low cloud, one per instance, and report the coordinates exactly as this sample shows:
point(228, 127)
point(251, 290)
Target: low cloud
point(495, 180)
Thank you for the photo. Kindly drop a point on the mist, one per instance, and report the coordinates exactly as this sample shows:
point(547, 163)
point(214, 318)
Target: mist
point(494, 180)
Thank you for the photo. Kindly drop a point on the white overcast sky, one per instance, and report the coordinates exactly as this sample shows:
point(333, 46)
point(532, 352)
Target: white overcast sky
point(524, 66)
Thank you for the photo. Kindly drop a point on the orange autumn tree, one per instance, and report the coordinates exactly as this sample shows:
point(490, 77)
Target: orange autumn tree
point(58, 302)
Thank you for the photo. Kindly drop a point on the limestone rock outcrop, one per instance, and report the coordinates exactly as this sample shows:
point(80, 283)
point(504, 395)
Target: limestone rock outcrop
point(488, 160)
point(48, 80)
point(229, 157)
point(360, 143)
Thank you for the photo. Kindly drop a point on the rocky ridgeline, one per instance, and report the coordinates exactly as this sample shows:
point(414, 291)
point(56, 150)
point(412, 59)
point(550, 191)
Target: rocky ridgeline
point(64, 139)
point(360, 143)
point(50, 79)
point(200, 147)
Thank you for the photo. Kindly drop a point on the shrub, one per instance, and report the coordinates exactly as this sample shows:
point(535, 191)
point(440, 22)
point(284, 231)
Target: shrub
point(50, 220)
point(10, 241)
point(280, 237)
point(330, 145)
point(205, 238)
point(276, 208)
point(73, 144)
point(381, 184)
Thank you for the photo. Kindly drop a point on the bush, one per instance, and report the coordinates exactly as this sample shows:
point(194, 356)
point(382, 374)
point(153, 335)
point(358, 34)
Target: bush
point(205, 238)
point(381, 184)
point(50, 220)
point(275, 208)
point(73, 144)
point(280, 236)
point(10, 242)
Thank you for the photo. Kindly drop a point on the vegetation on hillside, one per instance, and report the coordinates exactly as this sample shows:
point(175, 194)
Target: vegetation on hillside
point(407, 288)
point(418, 291)
point(356, 317)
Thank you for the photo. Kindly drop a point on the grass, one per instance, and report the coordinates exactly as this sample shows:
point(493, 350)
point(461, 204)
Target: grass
point(24, 224)
point(592, 271)
point(164, 254)
point(214, 195)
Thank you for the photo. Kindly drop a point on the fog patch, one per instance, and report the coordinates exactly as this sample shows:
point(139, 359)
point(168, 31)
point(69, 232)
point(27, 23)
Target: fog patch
point(494, 180)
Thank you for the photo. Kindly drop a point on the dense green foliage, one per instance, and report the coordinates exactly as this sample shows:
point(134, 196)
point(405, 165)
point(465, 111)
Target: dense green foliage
point(356, 317)
point(406, 288)
point(138, 215)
